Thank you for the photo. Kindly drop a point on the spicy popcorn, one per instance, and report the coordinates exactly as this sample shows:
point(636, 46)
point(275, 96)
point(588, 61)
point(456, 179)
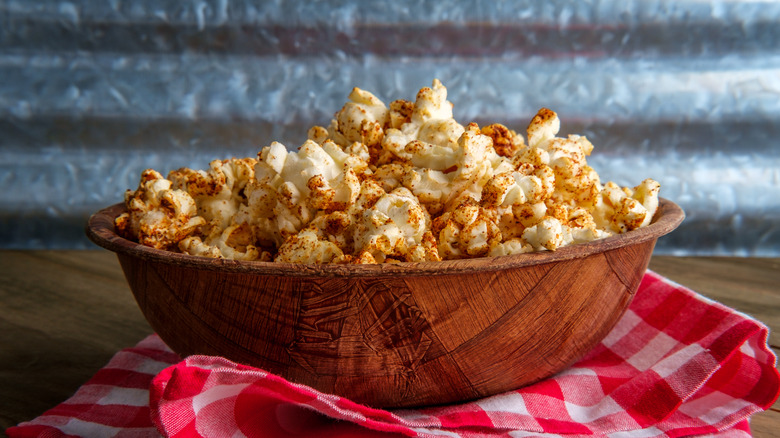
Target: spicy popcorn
point(404, 182)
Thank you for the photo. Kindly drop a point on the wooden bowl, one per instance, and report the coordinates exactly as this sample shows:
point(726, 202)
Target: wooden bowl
point(393, 335)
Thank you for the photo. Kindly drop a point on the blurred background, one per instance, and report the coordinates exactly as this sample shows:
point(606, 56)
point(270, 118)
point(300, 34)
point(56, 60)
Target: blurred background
point(94, 92)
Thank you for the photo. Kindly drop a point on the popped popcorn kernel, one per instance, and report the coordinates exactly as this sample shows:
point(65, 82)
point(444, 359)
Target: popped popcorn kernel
point(158, 215)
point(505, 141)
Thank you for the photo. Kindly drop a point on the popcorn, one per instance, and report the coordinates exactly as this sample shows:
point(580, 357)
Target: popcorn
point(403, 182)
point(505, 141)
point(157, 215)
point(622, 209)
point(509, 247)
point(319, 175)
point(467, 231)
point(234, 242)
point(217, 192)
point(430, 137)
point(393, 227)
point(362, 119)
point(473, 163)
point(519, 187)
point(549, 234)
point(309, 246)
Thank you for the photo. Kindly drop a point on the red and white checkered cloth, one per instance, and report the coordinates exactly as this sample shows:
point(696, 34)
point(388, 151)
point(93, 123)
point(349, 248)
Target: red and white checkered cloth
point(677, 364)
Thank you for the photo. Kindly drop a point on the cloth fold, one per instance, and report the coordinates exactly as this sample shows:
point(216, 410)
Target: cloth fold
point(676, 364)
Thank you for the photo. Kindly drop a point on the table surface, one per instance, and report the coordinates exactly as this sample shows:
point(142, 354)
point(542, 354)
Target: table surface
point(63, 314)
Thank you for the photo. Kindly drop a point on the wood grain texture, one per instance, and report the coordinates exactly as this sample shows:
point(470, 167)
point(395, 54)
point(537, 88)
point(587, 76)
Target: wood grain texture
point(57, 331)
point(63, 314)
point(387, 335)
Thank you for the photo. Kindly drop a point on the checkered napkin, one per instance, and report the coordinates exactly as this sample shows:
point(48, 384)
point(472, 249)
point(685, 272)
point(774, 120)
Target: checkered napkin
point(676, 364)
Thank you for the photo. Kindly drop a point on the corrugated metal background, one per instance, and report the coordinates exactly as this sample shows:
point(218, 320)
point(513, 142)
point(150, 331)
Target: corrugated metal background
point(93, 92)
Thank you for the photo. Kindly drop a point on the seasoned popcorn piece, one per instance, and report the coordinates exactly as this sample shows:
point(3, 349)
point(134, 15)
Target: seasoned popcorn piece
point(475, 162)
point(583, 227)
point(217, 192)
point(320, 177)
point(377, 227)
point(430, 137)
point(275, 208)
point(629, 216)
point(544, 126)
point(391, 175)
point(335, 227)
point(370, 193)
point(363, 258)
point(647, 194)
point(607, 202)
point(193, 245)
point(158, 215)
point(431, 187)
point(221, 196)
point(519, 197)
point(549, 234)
point(356, 156)
point(317, 134)
point(527, 185)
point(400, 113)
point(505, 141)
point(309, 246)
point(432, 104)
point(529, 214)
point(362, 119)
point(291, 187)
point(425, 251)
point(469, 230)
point(326, 239)
point(637, 209)
point(392, 226)
point(235, 242)
point(510, 246)
point(620, 209)
point(575, 181)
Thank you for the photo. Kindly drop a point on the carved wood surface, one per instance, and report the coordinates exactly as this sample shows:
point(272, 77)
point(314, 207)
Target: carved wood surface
point(393, 335)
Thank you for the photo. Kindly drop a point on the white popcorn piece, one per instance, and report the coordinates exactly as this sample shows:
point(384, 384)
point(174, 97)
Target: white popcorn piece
point(235, 242)
point(430, 137)
point(469, 230)
point(518, 188)
point(549, 234)
point(317, 177)
point(647, 194)
point(511, 246)
point(544, 126)
point(475, 162)
point(621, 209)
point(392, 226)
point(274, 157)
point(217, 191)
point(308, 246)
point(362, 119)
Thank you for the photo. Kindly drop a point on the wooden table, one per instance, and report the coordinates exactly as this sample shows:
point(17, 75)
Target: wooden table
point(63, 314)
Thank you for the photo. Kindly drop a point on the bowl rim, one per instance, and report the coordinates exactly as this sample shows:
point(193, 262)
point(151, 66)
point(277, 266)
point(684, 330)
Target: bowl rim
point(100, 230)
